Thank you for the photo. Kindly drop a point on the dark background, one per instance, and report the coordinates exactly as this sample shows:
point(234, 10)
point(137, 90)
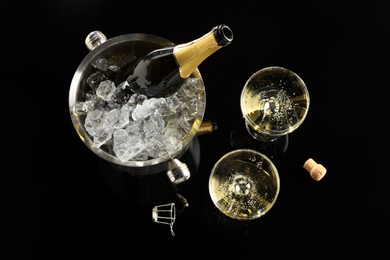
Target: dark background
point(58, 201)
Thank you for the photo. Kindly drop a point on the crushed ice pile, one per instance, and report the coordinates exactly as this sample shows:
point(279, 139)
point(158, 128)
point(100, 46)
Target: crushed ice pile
point(131, 126)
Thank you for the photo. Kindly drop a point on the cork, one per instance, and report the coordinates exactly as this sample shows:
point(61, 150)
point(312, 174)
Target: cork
point(317, 171)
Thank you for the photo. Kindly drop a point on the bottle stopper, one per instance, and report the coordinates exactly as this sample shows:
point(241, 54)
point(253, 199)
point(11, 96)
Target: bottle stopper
point(317, 171)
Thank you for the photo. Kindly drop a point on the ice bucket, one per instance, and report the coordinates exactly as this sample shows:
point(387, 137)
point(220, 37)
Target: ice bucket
point(121, 53)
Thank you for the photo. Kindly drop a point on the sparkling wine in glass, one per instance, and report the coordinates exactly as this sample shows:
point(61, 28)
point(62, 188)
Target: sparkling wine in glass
point(244, 184)
point(274, 103)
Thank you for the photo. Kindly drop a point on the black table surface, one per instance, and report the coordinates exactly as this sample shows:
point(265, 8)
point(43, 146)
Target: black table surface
point(61, 201)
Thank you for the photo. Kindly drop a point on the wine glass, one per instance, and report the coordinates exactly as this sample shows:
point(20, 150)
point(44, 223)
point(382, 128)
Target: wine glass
point(244, 184)
point(274, 102)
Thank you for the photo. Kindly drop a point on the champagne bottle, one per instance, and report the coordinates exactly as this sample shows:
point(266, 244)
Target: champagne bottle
point(161, 72)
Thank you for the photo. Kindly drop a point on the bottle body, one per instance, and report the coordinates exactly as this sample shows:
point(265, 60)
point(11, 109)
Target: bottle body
point(157, 72)
point(161, 72)
point(207, 127)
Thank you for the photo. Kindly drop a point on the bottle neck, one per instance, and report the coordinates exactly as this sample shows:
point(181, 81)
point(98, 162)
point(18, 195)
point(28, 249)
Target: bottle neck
point(190, 55)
